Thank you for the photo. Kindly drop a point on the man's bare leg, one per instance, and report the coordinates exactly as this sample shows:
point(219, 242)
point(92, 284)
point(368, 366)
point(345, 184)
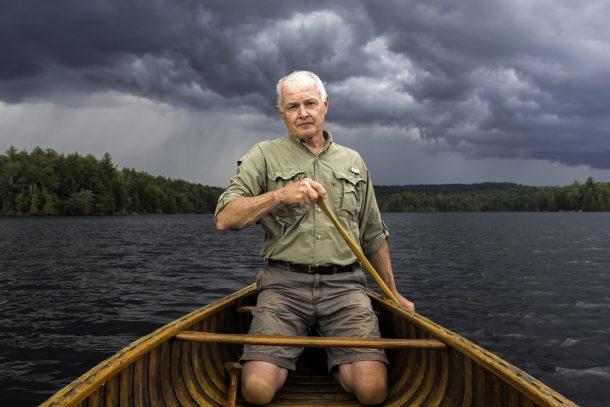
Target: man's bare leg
point(261, 380)
point(367, 380)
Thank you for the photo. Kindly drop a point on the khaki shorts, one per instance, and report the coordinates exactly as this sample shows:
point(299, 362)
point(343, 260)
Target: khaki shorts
point(293, 303)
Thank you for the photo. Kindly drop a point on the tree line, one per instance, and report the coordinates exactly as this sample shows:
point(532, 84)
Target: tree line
point(494, 197)
point(45, 182)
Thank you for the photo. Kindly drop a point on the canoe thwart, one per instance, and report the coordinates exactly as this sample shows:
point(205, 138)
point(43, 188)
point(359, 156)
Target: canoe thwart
point(310, 341)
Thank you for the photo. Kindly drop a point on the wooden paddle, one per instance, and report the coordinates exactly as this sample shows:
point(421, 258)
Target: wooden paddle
point(356, 249)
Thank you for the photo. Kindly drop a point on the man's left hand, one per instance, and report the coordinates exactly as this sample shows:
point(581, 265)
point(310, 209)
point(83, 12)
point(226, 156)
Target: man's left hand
point(404, 302)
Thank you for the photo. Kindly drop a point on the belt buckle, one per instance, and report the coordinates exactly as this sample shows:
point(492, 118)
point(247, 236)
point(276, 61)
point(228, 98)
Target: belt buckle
point(310, 269)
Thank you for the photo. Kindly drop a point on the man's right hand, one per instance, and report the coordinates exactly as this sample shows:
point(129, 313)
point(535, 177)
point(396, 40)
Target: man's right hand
point(244, 211)
point(301, 193)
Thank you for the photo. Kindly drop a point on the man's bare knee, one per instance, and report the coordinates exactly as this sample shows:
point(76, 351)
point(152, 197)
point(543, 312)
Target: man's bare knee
point(371, 392)
point(257, 391)
point(367, 380)
point(260, 381)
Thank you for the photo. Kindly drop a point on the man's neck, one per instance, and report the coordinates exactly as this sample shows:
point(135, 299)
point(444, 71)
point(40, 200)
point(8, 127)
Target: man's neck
point(316, 143)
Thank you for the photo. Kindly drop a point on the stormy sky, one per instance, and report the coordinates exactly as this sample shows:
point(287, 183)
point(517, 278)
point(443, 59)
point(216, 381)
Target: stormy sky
point(437, 91)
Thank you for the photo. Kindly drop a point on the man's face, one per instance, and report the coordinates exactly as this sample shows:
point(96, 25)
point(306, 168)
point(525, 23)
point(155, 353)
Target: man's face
point(302, 109)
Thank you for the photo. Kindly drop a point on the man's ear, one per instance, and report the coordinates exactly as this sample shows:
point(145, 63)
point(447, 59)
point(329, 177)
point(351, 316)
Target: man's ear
point(279, 111)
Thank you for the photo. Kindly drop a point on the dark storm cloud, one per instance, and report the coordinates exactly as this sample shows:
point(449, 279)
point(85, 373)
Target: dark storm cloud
point(149, 48)
point(508, 79)
point(181, 51)
point(487, 79)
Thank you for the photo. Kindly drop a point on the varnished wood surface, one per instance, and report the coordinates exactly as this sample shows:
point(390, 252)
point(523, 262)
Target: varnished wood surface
point(310, 341)
point(159, 370)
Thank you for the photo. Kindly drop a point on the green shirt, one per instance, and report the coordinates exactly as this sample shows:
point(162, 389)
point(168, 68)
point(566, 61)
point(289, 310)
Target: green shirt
point(305, 235)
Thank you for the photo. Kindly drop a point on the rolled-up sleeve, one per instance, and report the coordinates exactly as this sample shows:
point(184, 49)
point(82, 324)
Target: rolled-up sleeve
point(248, 181)
point(373, 231)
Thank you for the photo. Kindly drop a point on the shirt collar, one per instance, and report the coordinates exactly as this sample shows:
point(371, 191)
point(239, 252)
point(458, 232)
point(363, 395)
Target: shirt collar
point(327, 136)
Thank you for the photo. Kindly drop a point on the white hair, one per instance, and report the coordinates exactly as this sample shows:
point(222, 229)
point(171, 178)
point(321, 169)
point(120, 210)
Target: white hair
point(300, 74)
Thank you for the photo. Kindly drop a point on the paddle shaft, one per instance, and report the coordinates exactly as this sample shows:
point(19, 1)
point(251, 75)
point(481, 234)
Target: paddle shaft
point(357, 251)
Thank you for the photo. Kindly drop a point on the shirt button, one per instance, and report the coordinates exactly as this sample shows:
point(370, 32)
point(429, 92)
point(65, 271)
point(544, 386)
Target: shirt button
point(318, 237)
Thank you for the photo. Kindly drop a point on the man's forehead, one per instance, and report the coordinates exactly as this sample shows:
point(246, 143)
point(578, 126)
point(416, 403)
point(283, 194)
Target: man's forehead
point(300, 87)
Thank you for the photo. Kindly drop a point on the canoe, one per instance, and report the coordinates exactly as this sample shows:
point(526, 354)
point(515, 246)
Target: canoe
point(191, 362)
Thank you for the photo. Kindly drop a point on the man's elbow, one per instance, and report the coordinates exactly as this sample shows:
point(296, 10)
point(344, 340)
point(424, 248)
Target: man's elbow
point(230, 218)
point(224, 222)
point(221, 223)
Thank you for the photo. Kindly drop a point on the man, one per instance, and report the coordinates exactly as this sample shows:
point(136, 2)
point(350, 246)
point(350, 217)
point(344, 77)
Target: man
point(312, 277)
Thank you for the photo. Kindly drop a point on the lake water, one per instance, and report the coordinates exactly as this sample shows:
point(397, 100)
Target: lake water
point(533, 288)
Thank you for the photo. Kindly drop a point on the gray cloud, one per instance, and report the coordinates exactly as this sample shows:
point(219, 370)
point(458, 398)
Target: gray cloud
point(483, 80)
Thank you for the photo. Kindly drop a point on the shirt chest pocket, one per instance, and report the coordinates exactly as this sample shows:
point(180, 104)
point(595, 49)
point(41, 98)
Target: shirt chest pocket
point(284, 214)
point(349, 196)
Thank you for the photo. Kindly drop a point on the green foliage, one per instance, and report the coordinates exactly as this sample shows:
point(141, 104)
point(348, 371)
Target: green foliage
point(44, 182)
point(488, 197)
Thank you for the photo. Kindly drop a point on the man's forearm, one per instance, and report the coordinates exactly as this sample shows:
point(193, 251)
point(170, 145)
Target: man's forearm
point(382, 263)
point(245, 211)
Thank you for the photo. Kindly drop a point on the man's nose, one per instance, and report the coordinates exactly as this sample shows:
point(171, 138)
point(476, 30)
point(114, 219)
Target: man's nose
point(302, 111)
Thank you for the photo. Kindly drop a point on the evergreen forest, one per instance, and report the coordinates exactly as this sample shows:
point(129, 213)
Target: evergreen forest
point(44, 182)
point(494, 197)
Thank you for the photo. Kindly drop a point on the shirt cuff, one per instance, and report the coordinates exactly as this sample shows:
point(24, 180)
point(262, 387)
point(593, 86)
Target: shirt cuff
point(373, 245)
point(223, 201)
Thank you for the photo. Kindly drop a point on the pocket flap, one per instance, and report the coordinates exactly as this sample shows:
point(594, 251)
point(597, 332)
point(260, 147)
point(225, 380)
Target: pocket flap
point(353, 179)
point(286, 175)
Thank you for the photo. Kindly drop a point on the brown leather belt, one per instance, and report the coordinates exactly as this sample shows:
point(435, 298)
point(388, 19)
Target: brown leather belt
point(302, 268)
